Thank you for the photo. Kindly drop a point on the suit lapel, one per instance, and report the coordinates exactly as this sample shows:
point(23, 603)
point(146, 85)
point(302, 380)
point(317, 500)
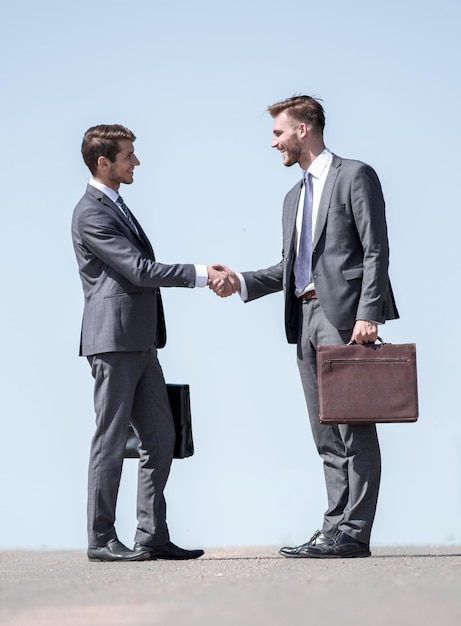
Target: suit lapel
point(290, 224)
point(142, 235)
point(325, 199)
point(99, 195)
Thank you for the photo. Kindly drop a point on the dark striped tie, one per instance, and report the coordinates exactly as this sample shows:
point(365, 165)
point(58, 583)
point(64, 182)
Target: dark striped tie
point(127, 213)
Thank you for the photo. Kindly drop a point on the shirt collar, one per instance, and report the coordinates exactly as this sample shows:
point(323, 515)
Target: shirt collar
point(110, 193)
point(318, 165)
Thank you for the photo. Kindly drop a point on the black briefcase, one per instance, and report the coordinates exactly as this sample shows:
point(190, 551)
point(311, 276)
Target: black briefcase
point(368, 383)
point(179, 396)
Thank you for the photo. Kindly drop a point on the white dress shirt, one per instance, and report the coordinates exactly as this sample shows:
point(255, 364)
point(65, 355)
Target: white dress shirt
point(201, 271)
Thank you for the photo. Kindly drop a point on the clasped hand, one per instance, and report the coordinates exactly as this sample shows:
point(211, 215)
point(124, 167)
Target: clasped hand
point(223, 281)
point(364, 331)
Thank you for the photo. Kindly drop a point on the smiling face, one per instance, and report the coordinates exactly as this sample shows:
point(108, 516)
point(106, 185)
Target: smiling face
point(121, 170)
point(287, 139)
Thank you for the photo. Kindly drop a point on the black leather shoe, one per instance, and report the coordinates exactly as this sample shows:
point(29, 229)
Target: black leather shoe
point(167, 551)
point(116, 551)
point(340, 547)
point(301, 551)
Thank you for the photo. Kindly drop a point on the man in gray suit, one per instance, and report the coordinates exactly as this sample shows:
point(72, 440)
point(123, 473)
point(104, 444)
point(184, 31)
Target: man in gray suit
point(334, 274)
point(123, 327)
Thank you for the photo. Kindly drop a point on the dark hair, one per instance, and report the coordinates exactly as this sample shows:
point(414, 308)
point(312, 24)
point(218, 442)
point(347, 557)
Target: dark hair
point(301, 109)
point(103, 140)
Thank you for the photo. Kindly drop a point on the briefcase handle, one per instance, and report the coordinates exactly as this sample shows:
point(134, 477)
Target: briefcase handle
point(354, 343)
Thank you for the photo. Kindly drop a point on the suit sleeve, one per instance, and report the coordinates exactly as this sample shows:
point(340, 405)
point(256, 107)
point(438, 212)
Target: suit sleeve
point(265, 281)
point(368, 208)
point(102, 237)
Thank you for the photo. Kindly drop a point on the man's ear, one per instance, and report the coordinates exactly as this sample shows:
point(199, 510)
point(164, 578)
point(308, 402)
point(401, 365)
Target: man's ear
point(303, 130)
point(103, 162)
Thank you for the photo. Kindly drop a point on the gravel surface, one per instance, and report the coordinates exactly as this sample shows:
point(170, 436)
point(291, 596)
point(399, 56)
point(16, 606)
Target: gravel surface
point(401, 586)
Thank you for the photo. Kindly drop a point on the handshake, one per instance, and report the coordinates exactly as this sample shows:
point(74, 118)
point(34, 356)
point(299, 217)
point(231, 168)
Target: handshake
point(223, 281)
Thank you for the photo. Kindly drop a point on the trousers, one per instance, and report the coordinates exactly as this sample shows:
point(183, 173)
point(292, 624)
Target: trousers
point(351, 454)
point(129, 386)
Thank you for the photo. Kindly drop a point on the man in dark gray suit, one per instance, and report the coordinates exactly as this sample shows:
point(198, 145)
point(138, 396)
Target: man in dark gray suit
point(334, 274)
point(123, 327)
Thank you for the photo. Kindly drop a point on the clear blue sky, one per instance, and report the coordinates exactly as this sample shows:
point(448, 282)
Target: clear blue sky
point(193, 80)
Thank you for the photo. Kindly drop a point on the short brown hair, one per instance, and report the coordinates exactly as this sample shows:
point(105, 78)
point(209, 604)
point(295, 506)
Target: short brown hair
point(103, 140)
point(301, 109)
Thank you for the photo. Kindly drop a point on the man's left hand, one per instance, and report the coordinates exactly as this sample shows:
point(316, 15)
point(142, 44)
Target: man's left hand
point(364, 332)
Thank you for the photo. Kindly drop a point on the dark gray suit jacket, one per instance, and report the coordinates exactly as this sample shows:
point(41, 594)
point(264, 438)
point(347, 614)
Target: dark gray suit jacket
point(121, 279)
point(350, 255)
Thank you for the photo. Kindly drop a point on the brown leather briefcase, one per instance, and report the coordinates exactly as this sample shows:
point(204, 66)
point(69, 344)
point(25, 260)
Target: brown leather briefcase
point(362, 384)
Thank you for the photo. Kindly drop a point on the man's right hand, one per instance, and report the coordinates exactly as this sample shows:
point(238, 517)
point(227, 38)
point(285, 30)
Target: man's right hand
point(223, 281)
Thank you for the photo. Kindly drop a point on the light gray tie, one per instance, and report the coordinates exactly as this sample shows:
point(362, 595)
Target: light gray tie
point(302, 267)
point(127, 213)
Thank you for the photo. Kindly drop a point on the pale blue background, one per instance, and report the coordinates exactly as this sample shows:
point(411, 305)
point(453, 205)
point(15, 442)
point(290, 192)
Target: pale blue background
point(193, 80)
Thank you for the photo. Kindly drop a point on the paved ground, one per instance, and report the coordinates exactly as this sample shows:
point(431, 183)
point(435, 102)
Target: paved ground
point(234, 587)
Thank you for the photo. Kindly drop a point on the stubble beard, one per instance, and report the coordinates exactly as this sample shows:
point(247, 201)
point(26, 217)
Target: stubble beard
point(125, 179)
point(291, 156)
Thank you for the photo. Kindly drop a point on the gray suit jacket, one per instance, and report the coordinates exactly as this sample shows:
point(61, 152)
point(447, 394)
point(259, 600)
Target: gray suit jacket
point(350, 255)
point(121, 279)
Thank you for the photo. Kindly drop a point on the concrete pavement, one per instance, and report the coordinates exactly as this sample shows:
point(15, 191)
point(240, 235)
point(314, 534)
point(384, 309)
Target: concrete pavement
point(404, 586)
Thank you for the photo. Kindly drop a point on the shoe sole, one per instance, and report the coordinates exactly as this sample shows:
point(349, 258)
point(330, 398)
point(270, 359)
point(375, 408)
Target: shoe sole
point(338, 556)
point(97, 559)
point(174, 558)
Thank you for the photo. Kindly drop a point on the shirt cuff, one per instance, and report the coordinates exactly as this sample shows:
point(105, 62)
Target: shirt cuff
point(243, 287)
point(201, 275)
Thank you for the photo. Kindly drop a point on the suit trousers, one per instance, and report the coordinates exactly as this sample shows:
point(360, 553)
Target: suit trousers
point(351, 454)
point(129, 386)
